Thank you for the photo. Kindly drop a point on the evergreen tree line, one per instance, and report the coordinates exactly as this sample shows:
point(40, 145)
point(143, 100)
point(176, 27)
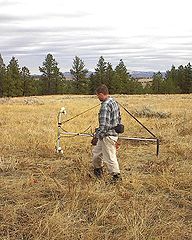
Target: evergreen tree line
point(176, 81)
point(16, 81)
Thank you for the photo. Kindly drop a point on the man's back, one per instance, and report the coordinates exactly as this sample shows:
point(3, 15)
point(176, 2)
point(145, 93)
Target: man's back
point(109, 117)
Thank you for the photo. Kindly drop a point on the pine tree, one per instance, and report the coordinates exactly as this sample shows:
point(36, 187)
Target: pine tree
point(170, 84)
point(136, 87)
point(157, 83)
point(99, 77)
point(52, 78)
point(2, 80)
point(92, 83)
point(100, 71)
point(2, 76)
point(187, 79)
point(109, 77)
point(122, 80)
point(147, 89)
point(13, 83)
point(27, 82)
point(184, 78)
point(79, 73)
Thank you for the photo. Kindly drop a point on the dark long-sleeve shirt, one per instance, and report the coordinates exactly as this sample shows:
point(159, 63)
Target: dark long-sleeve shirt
point(109, 117)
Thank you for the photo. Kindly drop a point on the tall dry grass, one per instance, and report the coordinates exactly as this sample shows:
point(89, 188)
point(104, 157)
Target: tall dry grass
point(46, 196)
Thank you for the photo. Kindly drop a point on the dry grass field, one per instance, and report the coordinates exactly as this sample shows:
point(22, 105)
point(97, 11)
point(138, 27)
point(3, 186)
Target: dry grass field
point(52, 197)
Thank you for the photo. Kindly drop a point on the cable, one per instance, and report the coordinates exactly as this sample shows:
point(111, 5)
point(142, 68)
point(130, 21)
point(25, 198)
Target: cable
point(137, 120)
point(80, 114)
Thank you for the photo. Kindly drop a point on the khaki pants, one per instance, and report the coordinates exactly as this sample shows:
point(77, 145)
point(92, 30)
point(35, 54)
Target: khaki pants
point(105, 151)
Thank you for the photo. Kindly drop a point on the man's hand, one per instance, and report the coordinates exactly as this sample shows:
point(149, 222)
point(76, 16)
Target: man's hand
point(94, 141)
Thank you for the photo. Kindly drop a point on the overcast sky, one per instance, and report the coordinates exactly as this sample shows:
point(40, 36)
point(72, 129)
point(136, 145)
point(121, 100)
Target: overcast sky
point(146, 34)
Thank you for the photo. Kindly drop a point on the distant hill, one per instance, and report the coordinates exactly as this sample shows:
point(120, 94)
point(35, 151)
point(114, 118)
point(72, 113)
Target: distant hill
point(68, 75)
point(135, 74)
point(140, 74)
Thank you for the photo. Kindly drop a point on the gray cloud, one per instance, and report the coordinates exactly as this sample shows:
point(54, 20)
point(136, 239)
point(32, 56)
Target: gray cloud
point(6, 18)
point(5, 30)
point(30, 44)
point(5, 3)
point(65, 49)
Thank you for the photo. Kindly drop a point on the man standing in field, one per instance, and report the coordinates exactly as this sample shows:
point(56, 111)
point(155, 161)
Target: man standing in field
point(106, 137)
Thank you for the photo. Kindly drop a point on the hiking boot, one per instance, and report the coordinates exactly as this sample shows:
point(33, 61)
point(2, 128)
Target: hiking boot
point(98, 172)
point(116, 178)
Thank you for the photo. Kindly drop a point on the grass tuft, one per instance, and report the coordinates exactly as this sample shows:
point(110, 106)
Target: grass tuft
point(146, 112)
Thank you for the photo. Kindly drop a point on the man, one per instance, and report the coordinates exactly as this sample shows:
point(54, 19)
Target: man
point(106, 137)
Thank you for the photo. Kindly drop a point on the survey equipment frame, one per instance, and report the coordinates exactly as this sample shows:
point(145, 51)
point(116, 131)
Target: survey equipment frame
point(64, 133)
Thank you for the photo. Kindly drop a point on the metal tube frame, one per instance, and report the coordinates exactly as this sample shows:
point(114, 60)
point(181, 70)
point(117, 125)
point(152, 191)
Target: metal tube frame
point(62, 133)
